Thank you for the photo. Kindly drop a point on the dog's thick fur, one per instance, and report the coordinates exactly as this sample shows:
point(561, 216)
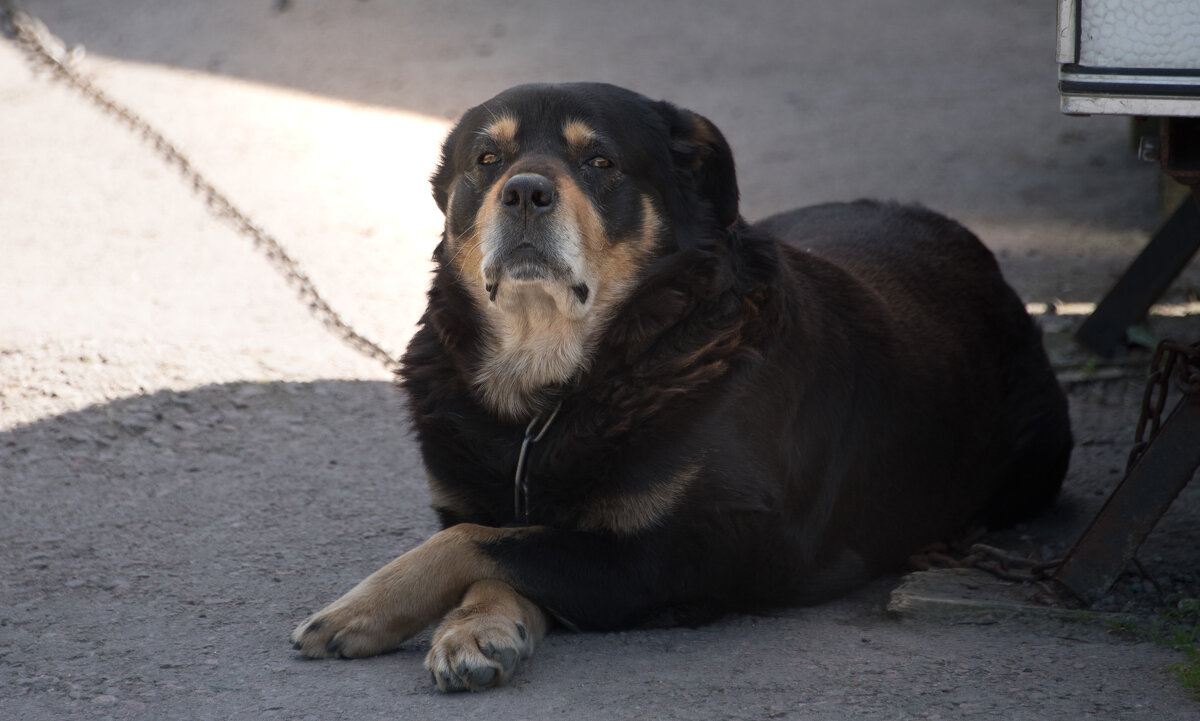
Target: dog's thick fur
point(728, 416)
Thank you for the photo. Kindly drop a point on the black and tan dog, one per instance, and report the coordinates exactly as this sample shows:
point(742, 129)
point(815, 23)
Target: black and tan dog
point(635, 407)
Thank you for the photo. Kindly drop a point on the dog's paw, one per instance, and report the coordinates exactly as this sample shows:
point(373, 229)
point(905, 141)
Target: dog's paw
point(351, 627)
point(473, 652)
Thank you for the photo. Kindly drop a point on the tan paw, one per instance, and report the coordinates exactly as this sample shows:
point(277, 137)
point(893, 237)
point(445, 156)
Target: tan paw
point(473, 652)
point(351, 627)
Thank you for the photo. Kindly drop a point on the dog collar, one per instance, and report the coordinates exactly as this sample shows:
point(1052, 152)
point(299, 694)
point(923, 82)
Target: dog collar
point(521, 479)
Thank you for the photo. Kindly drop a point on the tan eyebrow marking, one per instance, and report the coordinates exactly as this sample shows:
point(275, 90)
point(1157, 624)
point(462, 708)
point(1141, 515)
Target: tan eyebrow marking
point(578, 134)
point(503, 131)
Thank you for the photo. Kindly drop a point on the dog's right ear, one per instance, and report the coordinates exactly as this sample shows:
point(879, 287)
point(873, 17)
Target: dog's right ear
point(444, 175)
point(702, 154)
point(440, 180)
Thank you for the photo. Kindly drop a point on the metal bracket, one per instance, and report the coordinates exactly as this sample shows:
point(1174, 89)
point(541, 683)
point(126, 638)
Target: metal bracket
point(1130, 513)
point(1163, 258)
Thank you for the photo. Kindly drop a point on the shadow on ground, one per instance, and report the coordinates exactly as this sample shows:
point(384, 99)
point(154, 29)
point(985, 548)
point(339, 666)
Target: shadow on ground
point(165, 544)
point(161, 547)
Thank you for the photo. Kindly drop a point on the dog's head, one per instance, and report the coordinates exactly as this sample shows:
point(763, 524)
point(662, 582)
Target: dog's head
point(572, 187)
point(557, 198)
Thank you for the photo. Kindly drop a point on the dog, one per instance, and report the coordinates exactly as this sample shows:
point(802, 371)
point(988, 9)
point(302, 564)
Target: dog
point(635, 408)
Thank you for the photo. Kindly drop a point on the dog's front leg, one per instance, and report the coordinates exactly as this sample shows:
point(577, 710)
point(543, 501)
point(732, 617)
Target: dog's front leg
point(481, 641)
point(410, 593)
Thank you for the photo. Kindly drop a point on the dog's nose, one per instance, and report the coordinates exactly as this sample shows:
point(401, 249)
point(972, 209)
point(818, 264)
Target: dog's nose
point(528, 194)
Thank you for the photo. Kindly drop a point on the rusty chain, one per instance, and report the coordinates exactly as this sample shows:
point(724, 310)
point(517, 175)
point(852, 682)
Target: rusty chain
point(1171, 360)
point(996, 561)
point(45, 51)
point(1169, 356)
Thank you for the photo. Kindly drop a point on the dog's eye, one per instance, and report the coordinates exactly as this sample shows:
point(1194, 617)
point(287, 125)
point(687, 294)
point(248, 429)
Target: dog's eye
point(488, 159)
point(600, 162)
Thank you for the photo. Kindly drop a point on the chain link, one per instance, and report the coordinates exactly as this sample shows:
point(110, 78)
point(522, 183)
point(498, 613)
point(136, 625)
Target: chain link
point(1170, 359)
point(996, 561)
point(1169, 355)
point(46, 51)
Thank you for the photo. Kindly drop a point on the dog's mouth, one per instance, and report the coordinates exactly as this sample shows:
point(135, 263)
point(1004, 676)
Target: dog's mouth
point(525, 271)
point(524, 260)
point(581, 291)
point(529, 263)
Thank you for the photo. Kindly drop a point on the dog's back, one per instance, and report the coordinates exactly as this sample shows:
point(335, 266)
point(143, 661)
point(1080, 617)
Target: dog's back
point(963, 330)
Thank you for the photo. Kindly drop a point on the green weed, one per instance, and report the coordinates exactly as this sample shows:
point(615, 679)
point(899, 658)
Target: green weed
point(1123, 626)
point(1178, 627)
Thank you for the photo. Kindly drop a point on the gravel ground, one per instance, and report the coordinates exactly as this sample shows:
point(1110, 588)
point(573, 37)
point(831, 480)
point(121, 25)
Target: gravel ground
point(190, 464)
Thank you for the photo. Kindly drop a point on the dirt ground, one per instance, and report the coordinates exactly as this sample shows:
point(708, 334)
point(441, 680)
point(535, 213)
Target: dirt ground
point(190, 464)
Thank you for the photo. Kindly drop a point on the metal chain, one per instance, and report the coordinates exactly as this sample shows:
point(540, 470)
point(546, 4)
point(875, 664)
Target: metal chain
point(1170, 356)
point(46, 51)
point(996, 561)
point(1158, 386)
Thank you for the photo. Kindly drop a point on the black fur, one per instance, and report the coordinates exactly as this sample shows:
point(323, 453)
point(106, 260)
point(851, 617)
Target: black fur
point(849, 381)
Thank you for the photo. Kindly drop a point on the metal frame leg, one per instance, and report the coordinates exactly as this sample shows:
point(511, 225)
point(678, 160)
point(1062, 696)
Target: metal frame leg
point(1130, 513)
point(1160, 262)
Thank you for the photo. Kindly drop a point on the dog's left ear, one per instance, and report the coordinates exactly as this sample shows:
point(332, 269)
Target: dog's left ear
point(700, 151)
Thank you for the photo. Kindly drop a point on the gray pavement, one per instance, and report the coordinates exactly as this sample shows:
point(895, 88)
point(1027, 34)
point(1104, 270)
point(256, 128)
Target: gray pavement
point(189, 463)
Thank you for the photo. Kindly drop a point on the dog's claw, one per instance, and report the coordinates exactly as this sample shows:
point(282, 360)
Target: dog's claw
point(483, 677)
point(449, 683)
point(506, 657)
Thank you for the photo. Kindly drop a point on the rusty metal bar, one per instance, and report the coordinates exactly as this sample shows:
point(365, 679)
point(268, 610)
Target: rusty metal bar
point(1130, 513)
point(1164, 257)
point(1159, 263)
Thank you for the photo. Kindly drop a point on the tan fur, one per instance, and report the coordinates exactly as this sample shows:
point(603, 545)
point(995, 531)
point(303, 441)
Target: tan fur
point(530, 352)
point(526, 351)
point(405, 596)
point(542, 345)
point(621, 264)
point(480, 643)
point(631, 513)
point(534, 339)
point(503, 132)
point(578, 134)
point(466, 252)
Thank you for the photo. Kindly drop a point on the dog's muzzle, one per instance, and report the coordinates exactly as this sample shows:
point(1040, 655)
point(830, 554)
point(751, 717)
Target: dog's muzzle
point(531, 238)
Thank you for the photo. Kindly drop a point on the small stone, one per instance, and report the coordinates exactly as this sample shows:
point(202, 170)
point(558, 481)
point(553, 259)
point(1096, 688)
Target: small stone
point(136, 425)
